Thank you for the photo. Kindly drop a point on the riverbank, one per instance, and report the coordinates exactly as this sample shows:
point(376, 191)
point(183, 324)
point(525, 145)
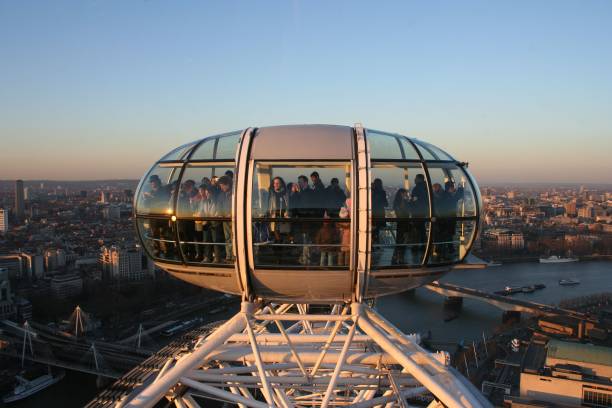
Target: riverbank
point(529, 259)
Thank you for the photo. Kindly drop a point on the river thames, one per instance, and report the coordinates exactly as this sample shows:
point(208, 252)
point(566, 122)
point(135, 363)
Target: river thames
point(422, 311)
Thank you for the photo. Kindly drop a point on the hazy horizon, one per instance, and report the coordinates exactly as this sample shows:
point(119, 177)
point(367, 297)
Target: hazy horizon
point(520, 90)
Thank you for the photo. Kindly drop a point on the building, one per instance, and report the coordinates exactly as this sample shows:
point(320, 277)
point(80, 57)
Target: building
point(566, 374)
point(34, 265)
point(124, 264)
point(23, 309)
point(112, 212)
point(13, 264)
point(66, 286)
point(4, 221)
point(506, 239)
point(19, 200)
point(570, 209)
point(54, 259)
point(586, 212)
point(6, 297)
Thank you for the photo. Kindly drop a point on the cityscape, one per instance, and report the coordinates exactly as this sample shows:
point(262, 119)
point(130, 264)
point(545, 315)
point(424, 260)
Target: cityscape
point(293, 204)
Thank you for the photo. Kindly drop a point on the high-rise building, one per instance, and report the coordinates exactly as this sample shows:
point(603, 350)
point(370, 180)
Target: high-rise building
point(124, 264)
point(103, 198)
point(55, 259)
point(19, 200)
point(4, 222)
point(112, 212)
point(6, 297)
point(570, 209)
point(35, 265)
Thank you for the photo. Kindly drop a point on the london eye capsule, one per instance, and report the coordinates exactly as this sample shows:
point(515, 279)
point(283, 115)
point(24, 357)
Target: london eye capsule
point(308, 213)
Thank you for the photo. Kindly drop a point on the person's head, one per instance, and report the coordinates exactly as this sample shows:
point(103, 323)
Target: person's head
point(278, 184)
point(155, 182)
point(450, 186)
point(229, 174)
point(377, 184)
point(335, 182)
point(437, 188)
point(204, 190)
point(188, 185)
point(289, 186)
point(214, 180)
point(419, 178)
point(400, 195)
point(225, 183)
point(295, 187)
point(314, 176)
point(206, 180)
point(303, 182)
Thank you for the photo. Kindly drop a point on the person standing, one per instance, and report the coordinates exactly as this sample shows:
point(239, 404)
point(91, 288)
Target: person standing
point(379, 203)
point(335, 197)
point(401, 207)
point(419, 208)
point(224, 209)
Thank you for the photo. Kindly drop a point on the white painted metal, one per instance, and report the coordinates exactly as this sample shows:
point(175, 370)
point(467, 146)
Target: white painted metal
point(361, 212)
point(323, 363)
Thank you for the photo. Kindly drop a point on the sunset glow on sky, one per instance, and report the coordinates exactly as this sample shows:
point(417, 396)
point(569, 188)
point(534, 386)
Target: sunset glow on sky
point(101, 89)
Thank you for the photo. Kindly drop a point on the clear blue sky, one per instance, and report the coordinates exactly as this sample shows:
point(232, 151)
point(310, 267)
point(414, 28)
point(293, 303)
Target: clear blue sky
point(101, 89)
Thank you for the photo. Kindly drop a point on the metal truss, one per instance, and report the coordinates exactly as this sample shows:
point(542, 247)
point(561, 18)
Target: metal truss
point(286, 356)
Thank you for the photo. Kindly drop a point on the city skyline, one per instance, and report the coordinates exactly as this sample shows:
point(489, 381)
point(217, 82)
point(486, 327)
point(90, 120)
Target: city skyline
point(94, 91)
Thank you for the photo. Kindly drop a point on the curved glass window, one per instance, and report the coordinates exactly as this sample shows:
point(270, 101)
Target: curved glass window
point(206, 150)
point(158, 236)
point(400, 214)
point(179, 153)
point(226, 147)
point(454, 204)
point(451, 239)
point(431, 152)
point(157, 190)
point(452, 192)
point(384, 146)
point(301, 215)
point(204, 207)
point(221, 147)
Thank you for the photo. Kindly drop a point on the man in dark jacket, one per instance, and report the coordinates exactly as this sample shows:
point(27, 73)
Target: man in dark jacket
point(335, 197)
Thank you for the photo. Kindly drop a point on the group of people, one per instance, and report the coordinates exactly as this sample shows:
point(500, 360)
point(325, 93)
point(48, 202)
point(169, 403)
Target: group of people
point(311, 223)
point(205, 226)
point(411, 208)
point(305, 222)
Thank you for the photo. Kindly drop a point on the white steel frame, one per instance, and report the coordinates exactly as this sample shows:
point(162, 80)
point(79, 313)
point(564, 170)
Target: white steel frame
point(284, 356)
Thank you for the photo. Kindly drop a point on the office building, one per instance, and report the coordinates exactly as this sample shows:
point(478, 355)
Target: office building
point(126, 264)
point(4, 221)
point(19, 200)
point(54, 259)
point(6, 297)
point(565, 374)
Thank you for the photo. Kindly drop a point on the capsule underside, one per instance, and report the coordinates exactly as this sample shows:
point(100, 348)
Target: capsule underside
point(313, 213)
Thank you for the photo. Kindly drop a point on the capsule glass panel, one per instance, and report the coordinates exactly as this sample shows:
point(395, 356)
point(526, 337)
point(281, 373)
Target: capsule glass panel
point(451, 240)
point(384, 146)
point(431, 152)
point(155, 195)
point(180, 153)
point(159, 238)
point(453, 195)
point(204, 212)
point(226, 147)
point(301, 215)
point(400, 214)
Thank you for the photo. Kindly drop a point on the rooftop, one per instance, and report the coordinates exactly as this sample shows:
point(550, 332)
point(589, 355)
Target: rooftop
point(578, 352)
